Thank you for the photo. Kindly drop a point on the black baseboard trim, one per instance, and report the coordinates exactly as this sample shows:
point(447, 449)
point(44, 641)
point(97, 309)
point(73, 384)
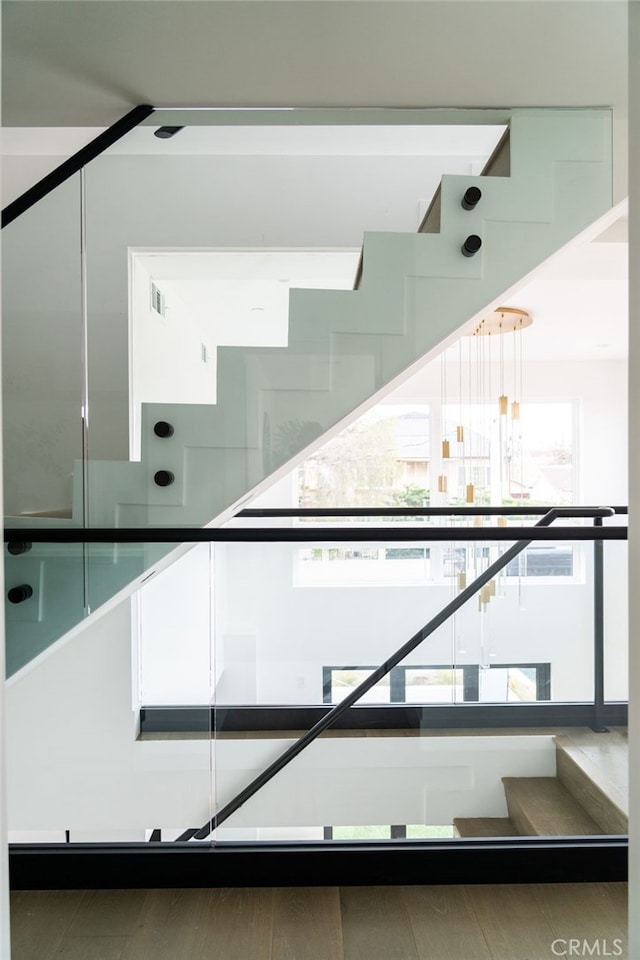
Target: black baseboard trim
point(182, 865)
point(230, 719)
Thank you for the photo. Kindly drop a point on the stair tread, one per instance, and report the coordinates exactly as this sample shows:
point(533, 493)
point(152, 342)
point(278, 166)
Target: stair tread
point(597, 776)
point(542, 806)
point(605, 760)
point(485, 827)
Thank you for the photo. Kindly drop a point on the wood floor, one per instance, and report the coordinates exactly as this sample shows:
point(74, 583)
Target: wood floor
point(475, 922)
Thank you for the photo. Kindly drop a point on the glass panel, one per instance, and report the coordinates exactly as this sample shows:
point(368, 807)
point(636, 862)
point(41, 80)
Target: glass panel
point(44, 597)
point(217, 307)
point(92, 756)
point(616, 622)
point(304, 640)
point(52, 587)
point(146, 671)
point(42, 356)
point(323, 616)
point(177, 672)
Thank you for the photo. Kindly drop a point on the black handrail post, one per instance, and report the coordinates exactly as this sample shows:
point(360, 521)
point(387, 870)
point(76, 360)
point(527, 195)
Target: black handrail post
point(598, 632)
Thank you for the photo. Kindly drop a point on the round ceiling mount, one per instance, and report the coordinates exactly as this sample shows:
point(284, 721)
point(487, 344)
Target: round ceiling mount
point(503, 320)
point(165, 133)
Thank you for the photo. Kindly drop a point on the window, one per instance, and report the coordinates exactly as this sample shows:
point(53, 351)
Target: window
point(468, 683)
point(380, 460)
point(340, 681)
point(407, 553)
point(348, 566)
point(410, 831)
point(387, 458)
point(542, 561)
point(529, 460)
point(433, 685)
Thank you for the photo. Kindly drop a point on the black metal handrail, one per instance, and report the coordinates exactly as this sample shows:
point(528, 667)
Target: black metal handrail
point(297, 535)
point(358, 692)
point(352, 533)
point(383, 511)
point(75, 163)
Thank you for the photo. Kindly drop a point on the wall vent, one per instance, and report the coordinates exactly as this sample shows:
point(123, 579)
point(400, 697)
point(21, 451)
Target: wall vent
point(157, 300)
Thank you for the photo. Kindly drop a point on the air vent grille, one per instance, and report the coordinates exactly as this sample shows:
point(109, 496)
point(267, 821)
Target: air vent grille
point(157, 300)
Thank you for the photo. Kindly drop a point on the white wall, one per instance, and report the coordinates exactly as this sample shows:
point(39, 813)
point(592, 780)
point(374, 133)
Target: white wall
point(174, 613)
point(165, 354)
point(74, 762)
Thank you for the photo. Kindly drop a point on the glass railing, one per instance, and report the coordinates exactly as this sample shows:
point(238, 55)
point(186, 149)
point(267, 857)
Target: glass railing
point(217, 693)
point(44, 360)
point(80, 771)
point(52, 587)
point(154, 335)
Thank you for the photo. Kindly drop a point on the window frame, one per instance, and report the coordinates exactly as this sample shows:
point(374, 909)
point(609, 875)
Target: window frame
point(470, 679)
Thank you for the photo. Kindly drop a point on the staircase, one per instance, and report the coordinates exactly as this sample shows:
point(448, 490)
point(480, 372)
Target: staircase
point(549, 180)
point(586, 797)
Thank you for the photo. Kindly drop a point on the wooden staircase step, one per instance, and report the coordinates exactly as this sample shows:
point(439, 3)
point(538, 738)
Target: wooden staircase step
point(596, 785)
point(542, 806)
point(484, 827)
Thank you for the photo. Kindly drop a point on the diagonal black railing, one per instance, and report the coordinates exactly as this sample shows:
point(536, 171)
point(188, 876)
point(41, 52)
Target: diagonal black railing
point(358, 692)
point(75, 163)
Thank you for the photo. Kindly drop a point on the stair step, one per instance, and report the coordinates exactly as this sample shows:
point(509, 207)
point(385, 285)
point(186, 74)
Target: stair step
point(597, 779)
point(542, 806)
point(484, 827)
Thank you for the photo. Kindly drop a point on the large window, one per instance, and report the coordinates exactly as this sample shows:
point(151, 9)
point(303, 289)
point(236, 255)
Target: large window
point(392, 456)
point(380, 460)
point(409, 831)
point(408, 565)
point(469, 683)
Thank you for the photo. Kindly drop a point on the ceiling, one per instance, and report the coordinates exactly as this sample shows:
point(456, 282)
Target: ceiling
point(86, 62)
point(580, 301)
point(83, 63)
